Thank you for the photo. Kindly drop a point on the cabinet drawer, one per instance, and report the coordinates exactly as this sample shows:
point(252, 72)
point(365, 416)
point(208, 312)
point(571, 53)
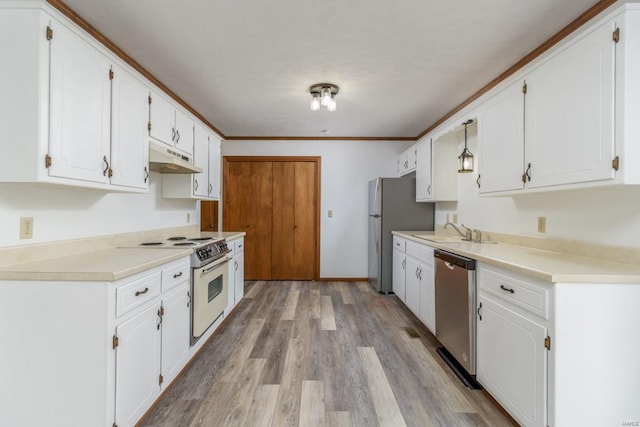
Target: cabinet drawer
point(239, 246)
point(423, 253)
point(399, 243)
point(175, 275)
point(531, 295)
point(137, 292)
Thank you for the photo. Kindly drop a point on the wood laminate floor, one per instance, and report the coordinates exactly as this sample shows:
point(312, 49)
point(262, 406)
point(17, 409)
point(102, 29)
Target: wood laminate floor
point(321, 354)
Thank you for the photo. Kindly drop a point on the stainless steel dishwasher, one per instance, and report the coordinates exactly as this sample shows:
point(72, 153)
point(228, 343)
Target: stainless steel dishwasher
point(455, 283)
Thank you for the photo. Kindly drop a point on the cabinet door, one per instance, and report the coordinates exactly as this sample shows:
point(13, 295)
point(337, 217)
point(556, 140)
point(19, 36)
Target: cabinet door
point(175, 331)
point(184, 132)
point(201, 160)
point(512, 361)
point(80, 102)
point(137, 365)
point(412, 283)
point(427, 309)
point(162, 119)
point(569, 113)
point(501, 141)
point(423, 172)
point(129, 138)
point(399, 268)
point(239, 277)
point(214, 168)
point(412, 157)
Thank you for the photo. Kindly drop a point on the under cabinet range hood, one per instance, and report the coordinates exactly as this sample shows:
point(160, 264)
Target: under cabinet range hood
point(163, 159)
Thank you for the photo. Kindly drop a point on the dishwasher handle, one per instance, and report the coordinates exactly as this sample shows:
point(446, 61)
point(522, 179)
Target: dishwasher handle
point(455, 260)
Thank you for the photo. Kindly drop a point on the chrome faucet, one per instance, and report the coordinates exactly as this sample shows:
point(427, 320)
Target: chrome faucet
point(467, 235)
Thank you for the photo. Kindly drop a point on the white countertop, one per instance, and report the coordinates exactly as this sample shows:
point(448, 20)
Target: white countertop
point(542, 264)
point(102, 265)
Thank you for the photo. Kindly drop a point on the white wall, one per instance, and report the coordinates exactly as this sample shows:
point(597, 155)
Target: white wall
point(62, 213)
point(347, 166)
point(602, 215)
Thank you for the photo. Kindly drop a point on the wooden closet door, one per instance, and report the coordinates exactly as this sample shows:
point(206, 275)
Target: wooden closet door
point(247, 207)
point(283, 231)
point(306, 215)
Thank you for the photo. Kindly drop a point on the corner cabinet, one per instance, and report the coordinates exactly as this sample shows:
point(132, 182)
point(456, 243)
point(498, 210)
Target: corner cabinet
point(568, 121)
point(205, 185)
point(72, 107)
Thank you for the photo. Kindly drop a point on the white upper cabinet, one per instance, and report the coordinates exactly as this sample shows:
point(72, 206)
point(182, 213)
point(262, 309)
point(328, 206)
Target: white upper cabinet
point(215, 159)
point(170, 125)
point(79, 108)
point(436, 171)
point(201, 160)
point(569, 120)
point(501, 132)
point(129, 140)
point(204, 185)
point(71, 111)
point(408, 160)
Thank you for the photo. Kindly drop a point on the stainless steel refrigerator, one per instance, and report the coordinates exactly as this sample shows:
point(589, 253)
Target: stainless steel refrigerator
point(392, 206)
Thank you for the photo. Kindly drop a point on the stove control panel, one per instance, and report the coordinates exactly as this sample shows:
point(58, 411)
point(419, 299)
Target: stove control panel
point(210, 252)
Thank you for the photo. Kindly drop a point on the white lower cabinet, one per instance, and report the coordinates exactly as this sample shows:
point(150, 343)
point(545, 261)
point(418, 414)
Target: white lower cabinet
point(175, 331)
point(413, 279)
point(399, 268)
point(512, 357)
point(235, 272)
point(137, 364)
point(151, 340)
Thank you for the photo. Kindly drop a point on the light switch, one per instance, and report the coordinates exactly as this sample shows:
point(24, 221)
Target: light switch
point(330, 213)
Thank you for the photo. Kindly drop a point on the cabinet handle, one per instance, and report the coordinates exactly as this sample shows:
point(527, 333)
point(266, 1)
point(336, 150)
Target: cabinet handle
point(236, 265)
point(510, 290)
point(210, 188)
point(404, 264)
point(480, 314)
point(146, 174)
point(173, 134)
point(138, 293)
point(478, 181)
point(160, 313)
point(420, 274)
point(526, 176)
point(239, 246)
point(195, 181)
point(106, 166)
point(429, 189)
point(175, 276)
point(417, 270)
point(188, 299)
point(178, 135)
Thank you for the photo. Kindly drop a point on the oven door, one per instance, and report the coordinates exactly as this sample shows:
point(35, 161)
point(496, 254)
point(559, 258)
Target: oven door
point(209, 289)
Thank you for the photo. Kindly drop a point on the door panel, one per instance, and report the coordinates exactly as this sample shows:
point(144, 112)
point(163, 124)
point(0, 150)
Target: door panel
point(305, 220)
point(275, 201)
point(283, 249)
point(248, 207)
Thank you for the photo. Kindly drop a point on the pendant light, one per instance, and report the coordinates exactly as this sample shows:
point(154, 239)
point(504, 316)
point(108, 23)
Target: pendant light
point(465, 159)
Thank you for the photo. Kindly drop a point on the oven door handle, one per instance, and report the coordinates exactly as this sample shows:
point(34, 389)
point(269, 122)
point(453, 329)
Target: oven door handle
point(223, 262)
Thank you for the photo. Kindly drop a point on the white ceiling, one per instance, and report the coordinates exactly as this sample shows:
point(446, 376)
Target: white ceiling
point(246, 66)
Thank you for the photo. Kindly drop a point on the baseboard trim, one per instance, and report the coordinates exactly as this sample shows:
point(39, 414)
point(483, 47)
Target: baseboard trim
point(343, 279)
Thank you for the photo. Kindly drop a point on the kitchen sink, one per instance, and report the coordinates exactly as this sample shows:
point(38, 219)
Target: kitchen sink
point(445, 239)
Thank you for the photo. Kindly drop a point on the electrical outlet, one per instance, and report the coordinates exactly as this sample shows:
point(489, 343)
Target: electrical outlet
point(330, 213)
point(542, 224)
point(455, 218)
point(26, 228)
point(188, 217)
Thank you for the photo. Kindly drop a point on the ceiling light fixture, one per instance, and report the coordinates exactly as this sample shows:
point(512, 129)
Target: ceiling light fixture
point(465, 159)
point(323, 94)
